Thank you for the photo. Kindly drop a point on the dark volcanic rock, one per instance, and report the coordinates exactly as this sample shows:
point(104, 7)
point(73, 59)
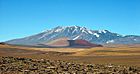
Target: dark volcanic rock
point(2, 43)
point(82, 43)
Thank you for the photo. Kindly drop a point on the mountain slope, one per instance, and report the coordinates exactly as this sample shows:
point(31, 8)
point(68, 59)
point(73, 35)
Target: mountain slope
point(76, 32)
point(65, 42)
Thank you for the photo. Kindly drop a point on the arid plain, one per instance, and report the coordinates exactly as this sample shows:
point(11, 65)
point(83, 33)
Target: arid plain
point(114, 54)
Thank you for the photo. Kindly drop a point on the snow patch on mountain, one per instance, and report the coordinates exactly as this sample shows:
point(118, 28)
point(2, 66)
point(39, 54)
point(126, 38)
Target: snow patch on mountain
point(90, 32)
point(110, 41)
point(102, 31)
point(97, 35)
point(135, 39)
point(83, 31)
point(76, 37)
point(76, 32)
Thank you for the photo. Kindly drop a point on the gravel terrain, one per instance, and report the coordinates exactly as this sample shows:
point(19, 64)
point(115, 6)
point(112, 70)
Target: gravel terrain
point(11, 65)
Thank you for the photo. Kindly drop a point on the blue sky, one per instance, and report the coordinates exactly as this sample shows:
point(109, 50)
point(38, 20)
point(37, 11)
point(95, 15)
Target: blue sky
point(20, 18)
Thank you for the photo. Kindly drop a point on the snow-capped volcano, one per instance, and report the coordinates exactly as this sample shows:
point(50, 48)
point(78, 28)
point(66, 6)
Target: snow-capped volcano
point(76, 32)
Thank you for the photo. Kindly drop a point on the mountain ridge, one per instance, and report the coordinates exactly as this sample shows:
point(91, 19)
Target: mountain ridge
point(77, 32)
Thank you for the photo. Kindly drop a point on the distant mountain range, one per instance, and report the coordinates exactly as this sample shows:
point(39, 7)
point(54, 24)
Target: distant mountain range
point(77, 32)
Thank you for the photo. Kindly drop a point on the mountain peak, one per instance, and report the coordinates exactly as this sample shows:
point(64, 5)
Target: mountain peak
point(74, 26)
point(79, 29)
point(103, 31)
point(74, 33)
point(70, 29)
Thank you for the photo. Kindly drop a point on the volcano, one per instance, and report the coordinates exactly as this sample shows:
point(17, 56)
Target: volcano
point(65, 42)
point(75, 33)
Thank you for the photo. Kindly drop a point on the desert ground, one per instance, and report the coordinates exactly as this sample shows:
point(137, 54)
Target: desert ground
point(128, 55)
point(118, 54)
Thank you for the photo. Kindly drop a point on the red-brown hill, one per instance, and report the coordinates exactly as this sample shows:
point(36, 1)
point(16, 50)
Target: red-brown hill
point(65, 42)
